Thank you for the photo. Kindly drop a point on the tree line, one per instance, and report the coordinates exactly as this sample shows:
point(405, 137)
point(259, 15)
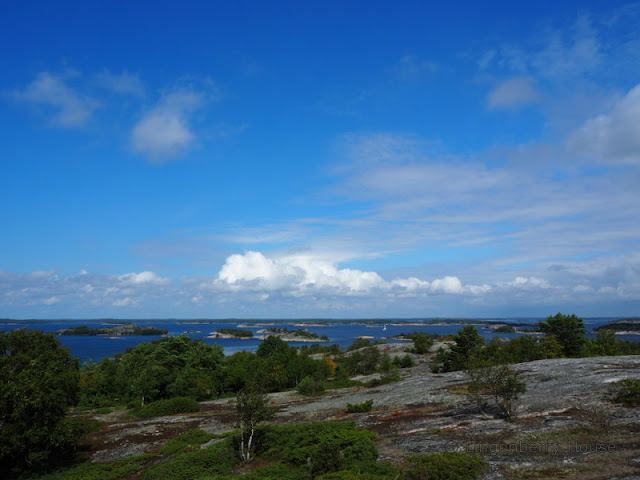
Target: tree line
point(563, 336)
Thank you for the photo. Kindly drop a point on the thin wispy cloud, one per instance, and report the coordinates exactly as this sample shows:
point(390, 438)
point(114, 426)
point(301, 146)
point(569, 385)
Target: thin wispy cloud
point(63, 105)
point(123, 83)
point(612, 137)
point(165, 131)
point(513, 93)
point(412, 66)
point(556, 54)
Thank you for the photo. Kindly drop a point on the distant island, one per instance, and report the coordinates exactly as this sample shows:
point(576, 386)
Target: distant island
point(298, 335)
point(236, 333)
point(624, 326)
point(120, 330)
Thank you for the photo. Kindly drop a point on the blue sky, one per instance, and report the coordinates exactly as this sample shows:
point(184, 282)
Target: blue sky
point(319, 159)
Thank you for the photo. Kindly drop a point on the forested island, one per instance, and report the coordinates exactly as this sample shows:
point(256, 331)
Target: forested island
point(297, 335)
point(128, 329)
point(624, 325)
point(232, 333)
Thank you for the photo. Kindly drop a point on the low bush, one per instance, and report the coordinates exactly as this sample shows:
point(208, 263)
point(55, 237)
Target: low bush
point(167, 407)
point(422, 342)
point(218, 459)
point(186, 441)
point(383, 380)
point(626, 392)
point(279, 471)
point(446, 466)
point(310, 386)
point(365, 406)
point(103, 411)
point(359, 343)
point(367, 471)
point(503, 385)
point(101, 471)
point(323, 446)
point(342, 382)
point(405, 361)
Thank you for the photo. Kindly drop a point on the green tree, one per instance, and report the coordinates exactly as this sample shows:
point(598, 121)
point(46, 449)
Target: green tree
point(503, 385)
point(525, 349)
point(38, 382)
point(252, 408)
point(422, 342)
point(281, 366)
point(468, 344)
point(568, 330)
point(605, 344)
point(241, 367)
point(161, 369)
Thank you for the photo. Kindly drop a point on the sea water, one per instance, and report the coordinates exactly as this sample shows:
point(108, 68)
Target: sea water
point(343, 333)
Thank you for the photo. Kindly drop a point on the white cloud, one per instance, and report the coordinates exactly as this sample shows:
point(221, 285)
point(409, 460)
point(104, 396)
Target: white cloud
point(71, 109)
point(411, 284)
point(613, 137)
point(513, 93)
point(298, 273)
point(142, 278)
point(124, 302)
point(164, 131)
point(447, 285)
point(307, 285)
point(527, 283)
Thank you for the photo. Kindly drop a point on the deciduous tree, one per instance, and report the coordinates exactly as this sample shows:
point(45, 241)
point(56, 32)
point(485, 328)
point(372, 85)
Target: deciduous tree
point(251, 409)
point(38, 382)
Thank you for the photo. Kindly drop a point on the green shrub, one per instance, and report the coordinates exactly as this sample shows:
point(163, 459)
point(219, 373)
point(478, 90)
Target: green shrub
point(280, 472)
point(626, 392)
point(186, 441)
point(383, 380)
point(422, 342)
point(446, 466)
point(167, 407)
point(365, 406)
point(101, 471)
point(325, 446)
point(342, 382)
point(359, 343)
point(218, 459)
point(501, 383)
point(310, 386)
point(366, 471)
point(103, 411)
point(405, 361)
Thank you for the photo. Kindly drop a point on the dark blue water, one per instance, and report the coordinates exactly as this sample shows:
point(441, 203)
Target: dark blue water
point(99, 347)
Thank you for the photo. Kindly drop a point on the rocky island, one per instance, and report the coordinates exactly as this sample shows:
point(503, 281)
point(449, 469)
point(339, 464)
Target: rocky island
point(298, 335)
